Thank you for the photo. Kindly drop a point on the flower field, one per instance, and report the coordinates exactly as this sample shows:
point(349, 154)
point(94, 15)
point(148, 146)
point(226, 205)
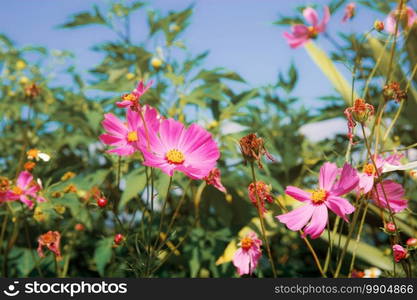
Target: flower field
point(156, 164)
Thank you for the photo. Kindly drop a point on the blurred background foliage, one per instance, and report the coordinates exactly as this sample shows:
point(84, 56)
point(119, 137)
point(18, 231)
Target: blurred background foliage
point(64, 121)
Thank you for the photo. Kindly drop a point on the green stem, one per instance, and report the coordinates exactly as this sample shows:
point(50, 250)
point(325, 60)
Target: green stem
point(261, 218)
point(358, 237)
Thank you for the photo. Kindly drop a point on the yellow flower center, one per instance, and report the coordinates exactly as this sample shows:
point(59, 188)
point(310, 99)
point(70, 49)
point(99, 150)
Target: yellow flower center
point(369, 169)
point(319, 196)
point(130, 97)
point(17, 190)
point(175, 156)
point(312, 32)
point(132, 136)
point(246, 243)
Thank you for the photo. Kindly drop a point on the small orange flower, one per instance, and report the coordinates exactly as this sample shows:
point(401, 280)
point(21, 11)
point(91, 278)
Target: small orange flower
point(51, 240)
point(29, 165)
point(70, 189)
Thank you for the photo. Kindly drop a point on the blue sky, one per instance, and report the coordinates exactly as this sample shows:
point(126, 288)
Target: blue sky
point(239, 34)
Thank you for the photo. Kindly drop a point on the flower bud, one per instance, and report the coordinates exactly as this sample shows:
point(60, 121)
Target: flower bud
point(379, 25)
point(412, 242)
point(156, 62)
point(390, 227)
point(118, 238)
point(102, 202)
point(79, 227)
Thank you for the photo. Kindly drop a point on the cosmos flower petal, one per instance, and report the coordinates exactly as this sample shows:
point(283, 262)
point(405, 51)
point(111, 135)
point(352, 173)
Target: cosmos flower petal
point(298, 194)
point(340, 206)
point(390, 167)
point(366, 182)
point(24, 179)
point(111, 139)
point(311, 16)
point(348, 181)
point(297, 218)
point(318, 222)
point(394, 192)
point(114, 125)
point(328, 173)
point(326, 18)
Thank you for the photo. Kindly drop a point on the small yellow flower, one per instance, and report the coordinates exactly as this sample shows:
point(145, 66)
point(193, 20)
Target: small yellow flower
point(67, 176)
point(11, 93)
point(229, 198)
point(39, 215)
point(70, 189)
point(212, 125)
point(20, 65)
point(60, 209)
point(156, 62)
point(130, 76)
point(24, 80)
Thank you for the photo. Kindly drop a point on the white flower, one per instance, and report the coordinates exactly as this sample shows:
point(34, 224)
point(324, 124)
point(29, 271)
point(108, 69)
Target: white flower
point(389, 168)
point(36, 155)
point(372, 273)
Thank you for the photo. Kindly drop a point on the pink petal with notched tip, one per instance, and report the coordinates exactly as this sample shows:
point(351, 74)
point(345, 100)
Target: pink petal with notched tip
point(311, 16)
point(348, 181)
point(298, 194)
point(297, 218)
point(318, 222)
point(340, 206)
point(328, 173)
point(114, 126)
point(326, 18)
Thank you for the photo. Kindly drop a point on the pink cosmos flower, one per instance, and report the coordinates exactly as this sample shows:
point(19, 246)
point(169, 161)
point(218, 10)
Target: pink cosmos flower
point(213, 178)
point(409, 17)
point(26, 190)
point(132, 99)
point(367, 177)
point(191, 151)
point(349, 12)
point(394, 192)
point(399, 252)
point(301, 33)
point(124, 136)
point(314, 214)
point(247, 256)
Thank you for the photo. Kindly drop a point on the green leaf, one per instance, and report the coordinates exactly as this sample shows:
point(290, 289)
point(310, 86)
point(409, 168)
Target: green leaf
point(85, 18)
point(135, 182)
point(102, 255)
point(330, 71)
point(372, 255)
point(216, 74)
point(26, 262)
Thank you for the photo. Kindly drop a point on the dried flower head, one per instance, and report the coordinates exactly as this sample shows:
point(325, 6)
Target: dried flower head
point(393, 91)
point(358, 113)
point(214, 179)
point(51, 240)
point(262, 191)
point(32, 90)
point(253, 148)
